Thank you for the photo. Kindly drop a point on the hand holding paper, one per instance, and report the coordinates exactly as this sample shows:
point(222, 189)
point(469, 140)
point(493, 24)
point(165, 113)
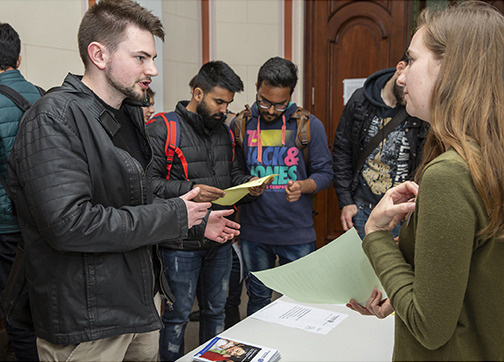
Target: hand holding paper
point(236, 193)
point(336, 273)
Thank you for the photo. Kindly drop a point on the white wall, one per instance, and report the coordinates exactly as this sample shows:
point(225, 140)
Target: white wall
point(48, 32)
point(182, 55)
point(243, 33)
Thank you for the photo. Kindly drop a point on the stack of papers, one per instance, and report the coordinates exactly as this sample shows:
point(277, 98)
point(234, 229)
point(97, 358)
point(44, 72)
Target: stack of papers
point(224, 349)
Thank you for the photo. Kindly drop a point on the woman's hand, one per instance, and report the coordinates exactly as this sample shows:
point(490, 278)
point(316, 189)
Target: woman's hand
point(393, 207)
point(374, 306)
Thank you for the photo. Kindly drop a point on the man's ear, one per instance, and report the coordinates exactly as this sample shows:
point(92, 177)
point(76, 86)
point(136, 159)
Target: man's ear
point(18, 62)
point(400, 67)
point(198, 94)
point(98, 54)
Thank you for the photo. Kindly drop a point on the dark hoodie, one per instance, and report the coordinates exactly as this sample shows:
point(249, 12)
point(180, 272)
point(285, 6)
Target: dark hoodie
point(387, 165)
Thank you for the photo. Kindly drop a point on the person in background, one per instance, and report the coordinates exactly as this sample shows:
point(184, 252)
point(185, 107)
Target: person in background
point(204, 160)
point(80, 173)
point(280, 222)
point(23, 342)
point(444, 277)
point(149, 111)
point(363, 170)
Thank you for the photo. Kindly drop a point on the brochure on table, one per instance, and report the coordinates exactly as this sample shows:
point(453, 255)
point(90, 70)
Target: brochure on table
point(222, 348)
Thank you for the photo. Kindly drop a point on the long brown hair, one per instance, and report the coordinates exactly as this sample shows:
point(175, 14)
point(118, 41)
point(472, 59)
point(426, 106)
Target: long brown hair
point(467, 101)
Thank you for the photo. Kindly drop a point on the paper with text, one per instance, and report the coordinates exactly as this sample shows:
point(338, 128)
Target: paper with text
point(236, 193)
point(303, 317)
point(336, 273)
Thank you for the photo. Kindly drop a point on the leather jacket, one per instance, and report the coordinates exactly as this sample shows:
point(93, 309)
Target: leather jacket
point(89, 219)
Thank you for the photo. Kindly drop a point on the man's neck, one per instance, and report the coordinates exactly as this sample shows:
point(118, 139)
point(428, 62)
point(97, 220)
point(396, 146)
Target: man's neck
point(192, 105)
point(10, 68)
point(99, 85)
point(387, 93)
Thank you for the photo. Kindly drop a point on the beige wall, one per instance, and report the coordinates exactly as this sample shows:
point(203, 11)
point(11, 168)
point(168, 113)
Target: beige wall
point(48, 31)
point(243, 33)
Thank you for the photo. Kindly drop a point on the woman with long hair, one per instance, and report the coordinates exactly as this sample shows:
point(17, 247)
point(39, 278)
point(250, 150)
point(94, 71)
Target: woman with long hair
point(445, 276)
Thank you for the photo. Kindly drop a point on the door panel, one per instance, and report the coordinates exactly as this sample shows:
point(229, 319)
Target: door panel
point(347, 39)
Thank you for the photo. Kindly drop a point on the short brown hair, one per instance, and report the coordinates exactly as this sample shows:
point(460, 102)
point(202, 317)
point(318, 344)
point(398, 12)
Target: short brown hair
point(106, 21)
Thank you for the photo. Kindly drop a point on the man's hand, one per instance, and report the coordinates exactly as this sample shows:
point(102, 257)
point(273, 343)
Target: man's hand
point(258, 190)
point(347, 214)
point(208, 193)
point(219, 228)
point(196, 211)
point(296, 188)
point(374, 306)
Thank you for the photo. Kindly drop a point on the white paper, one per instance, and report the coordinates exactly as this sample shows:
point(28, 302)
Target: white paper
point(310, 319)
point(350, 86)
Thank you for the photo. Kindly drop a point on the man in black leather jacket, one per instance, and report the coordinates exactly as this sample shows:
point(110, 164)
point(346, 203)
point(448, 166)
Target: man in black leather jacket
point(80, 174)
point(393, 161)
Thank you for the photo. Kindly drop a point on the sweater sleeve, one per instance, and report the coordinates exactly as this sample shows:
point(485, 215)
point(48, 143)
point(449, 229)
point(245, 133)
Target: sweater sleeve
point(428, 295)
point(320, 162)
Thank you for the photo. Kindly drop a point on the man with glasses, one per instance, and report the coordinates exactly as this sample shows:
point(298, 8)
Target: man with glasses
point(279, 223)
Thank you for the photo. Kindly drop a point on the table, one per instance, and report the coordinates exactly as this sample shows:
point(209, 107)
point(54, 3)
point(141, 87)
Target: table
point(357, 338)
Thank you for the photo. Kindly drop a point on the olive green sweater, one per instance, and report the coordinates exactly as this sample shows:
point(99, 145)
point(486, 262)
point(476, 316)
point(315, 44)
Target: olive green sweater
point(445, 284)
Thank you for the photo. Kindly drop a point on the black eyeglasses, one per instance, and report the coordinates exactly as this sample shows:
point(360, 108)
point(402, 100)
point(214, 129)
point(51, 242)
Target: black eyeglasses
point(280, 107)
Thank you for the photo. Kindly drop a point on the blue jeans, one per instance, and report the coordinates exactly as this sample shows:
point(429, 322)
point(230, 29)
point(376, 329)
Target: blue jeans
point(184, 269)
point(235, 284)
point(362, 216)
point(24, 343)
point(257, 257)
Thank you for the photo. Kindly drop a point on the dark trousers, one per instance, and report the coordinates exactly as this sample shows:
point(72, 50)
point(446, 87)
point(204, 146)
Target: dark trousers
point(24, 343)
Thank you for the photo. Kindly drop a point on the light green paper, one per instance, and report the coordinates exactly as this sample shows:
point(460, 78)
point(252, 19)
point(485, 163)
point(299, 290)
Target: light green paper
point(336, 273)
point(236, 193)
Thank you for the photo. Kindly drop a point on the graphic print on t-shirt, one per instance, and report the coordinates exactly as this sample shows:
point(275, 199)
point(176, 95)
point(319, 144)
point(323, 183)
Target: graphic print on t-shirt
point(276, 159)
point(387, 166)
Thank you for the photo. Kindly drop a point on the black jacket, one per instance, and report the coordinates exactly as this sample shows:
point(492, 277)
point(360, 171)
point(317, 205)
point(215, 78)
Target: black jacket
point(88, 219)
point(350, 134)
point(210, 159)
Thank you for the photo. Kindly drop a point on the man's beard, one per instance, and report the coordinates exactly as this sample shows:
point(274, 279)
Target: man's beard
point(399, 94)
point(265, 113)
point(211, 121)
point(128, 92)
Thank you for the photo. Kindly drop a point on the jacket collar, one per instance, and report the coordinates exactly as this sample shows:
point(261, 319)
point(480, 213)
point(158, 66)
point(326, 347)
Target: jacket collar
point(194, 119)
point(73, 83)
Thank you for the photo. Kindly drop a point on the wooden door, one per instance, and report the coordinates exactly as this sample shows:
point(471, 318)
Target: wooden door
point(346, 39)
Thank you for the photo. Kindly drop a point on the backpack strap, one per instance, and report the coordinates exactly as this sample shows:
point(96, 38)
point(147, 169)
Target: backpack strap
point(172, 141)
point(241, 120)
point(233, 144)
point(302, 117)
point(15, 97)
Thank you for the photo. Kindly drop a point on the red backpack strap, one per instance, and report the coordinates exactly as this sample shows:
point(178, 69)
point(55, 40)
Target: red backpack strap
point(172, 141)
point(233, 144)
